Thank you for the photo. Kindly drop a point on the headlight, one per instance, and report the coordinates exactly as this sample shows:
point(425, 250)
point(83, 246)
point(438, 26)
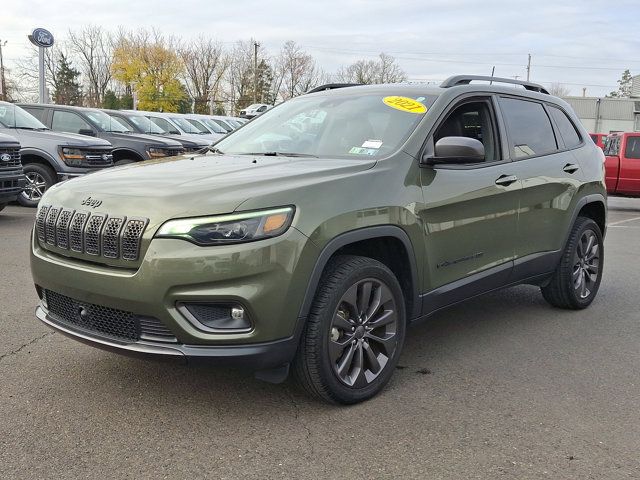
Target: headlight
point(74, 157)
point(156, 152)
point(228, 229)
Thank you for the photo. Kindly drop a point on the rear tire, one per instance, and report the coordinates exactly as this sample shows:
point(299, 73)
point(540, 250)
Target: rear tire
point(354, 334)
point(40, 178)
point(577, 278)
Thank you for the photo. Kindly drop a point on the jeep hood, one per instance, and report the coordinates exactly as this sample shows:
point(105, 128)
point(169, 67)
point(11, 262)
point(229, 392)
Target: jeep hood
point(194, 186)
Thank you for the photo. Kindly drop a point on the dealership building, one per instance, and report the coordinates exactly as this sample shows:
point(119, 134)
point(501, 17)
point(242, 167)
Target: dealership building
point(608, 115)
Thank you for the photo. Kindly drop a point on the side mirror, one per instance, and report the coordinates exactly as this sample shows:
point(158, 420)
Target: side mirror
point(456, 151)
point(87, 131)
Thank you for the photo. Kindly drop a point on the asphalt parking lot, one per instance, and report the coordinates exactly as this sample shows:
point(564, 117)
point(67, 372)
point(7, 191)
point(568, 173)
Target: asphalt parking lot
point(499, 387)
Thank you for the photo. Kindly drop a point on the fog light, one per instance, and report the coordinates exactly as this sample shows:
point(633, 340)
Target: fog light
point(216, 317)
point(237, 313)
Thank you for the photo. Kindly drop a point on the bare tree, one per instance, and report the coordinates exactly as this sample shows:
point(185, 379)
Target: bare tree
point(240, 75)
point(382, 70)
point(93, 49)
point(559, 90)
point(205, 64)
point(27, 70)
point(295, 71)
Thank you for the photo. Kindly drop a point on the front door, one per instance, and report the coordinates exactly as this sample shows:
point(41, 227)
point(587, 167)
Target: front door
point(470, 211)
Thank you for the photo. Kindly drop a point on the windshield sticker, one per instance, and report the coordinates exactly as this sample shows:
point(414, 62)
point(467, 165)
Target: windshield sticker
point(372, 144)
point(363, 151)
point(405, 104)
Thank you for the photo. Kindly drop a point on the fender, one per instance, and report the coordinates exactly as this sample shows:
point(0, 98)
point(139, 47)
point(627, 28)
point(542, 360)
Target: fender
point(131, 154)
point(354, 236)
point(593, 198)
point(53, 162)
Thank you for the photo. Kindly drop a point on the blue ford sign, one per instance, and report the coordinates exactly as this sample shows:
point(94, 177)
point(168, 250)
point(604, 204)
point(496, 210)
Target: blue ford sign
point(41, 38)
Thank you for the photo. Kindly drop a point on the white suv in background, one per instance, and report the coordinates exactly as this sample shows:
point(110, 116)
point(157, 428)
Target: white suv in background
point(254, 110)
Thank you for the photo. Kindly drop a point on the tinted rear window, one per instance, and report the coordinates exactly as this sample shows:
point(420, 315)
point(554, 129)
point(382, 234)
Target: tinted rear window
point(633, 147)
point(529, 127)
point(566, 128)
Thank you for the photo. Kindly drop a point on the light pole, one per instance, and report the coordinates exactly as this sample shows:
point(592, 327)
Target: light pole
point(3, 85)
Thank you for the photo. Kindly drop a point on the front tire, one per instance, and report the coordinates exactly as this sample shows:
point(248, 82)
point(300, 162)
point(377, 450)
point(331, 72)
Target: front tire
point(39, 179)
point(577, 278)
point(355, 332)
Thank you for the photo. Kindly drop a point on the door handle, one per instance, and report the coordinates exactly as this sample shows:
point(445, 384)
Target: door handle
point(506, 180)
point(570, 168)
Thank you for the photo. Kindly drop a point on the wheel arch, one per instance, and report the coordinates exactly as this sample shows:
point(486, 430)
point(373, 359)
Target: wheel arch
point(388, 244)
point(34, 155)
point(126, 154)
point(593, 206)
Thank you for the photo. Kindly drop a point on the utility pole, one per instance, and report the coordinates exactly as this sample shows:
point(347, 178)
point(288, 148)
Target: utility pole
point(3, 85)
point(528, 67)
point(255, 71)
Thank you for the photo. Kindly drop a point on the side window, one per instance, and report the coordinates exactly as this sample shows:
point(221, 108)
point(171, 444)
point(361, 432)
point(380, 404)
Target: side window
point(632, 149)
point(68, 122)
point(566, 128)
point(529, 127)
point(611, 146)
point(39, 113)
point(473, 120)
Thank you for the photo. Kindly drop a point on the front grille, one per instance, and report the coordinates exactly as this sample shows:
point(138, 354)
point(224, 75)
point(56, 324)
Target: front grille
point(105, 321)
point(96, 234)
point(194, 149)
point(14, 153)
point(10, 186)
point(171, 152)
point(99, 158)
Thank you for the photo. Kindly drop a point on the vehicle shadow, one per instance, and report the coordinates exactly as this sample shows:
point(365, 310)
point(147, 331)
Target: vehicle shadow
point(469, 327)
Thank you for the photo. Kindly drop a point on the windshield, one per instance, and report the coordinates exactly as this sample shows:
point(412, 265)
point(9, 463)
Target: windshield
point(185, 125)
point(143, 124)
point(213, 126)
point(106, 122)
point(165, 125)
point(342, 126)
point(12, 116)
point(225, 126)
point(201, 128)
point(233, 123)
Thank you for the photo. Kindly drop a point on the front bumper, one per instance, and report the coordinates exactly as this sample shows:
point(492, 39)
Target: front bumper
point(267, 277)
point(11, 185)
point(259, 356)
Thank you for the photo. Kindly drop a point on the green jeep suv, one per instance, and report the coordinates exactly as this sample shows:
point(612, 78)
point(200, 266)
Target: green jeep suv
point(312, 237)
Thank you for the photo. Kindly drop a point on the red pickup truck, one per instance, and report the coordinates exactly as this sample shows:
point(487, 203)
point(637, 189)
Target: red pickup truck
point(622, 164)
point(599, 139)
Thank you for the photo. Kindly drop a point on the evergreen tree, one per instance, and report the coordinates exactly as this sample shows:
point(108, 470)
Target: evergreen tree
point(68, 91)
point(624, 86)
point(110, 100)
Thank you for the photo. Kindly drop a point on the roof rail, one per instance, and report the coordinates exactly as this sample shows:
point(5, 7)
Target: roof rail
point(332, 86)
point(466, 79)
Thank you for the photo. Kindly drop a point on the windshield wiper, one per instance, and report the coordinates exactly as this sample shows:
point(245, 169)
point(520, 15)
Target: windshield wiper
point(30, 128)
point(211, 149)
point(281, 154)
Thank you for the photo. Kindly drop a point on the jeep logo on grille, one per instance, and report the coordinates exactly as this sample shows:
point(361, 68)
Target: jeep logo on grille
point(91, 202)
point(5, 157)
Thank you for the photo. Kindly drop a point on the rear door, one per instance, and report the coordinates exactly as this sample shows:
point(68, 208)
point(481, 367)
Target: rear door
point(629, 181)
point(545, 162)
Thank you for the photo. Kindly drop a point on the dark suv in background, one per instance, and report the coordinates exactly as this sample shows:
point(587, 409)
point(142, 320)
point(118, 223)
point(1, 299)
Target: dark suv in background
point(49, 157)
point(138, 123)
point(11, 176)
point(128, 147)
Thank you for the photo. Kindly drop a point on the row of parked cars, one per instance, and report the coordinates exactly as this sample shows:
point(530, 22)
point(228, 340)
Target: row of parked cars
point(56, 142)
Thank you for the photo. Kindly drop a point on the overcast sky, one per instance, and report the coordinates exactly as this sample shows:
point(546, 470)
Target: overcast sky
point(577, 43)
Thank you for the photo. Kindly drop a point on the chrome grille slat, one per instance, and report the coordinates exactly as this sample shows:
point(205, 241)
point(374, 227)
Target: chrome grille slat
point(95, 234)
point(92, 233)
point(76, 231)
point(111, 237)
point(40, 223)
point(15, 157)
point(131, 237)
point(50, 225)
point(62, 228)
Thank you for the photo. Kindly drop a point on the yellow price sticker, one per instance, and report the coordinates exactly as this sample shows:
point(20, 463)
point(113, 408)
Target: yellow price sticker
point(405, 104)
